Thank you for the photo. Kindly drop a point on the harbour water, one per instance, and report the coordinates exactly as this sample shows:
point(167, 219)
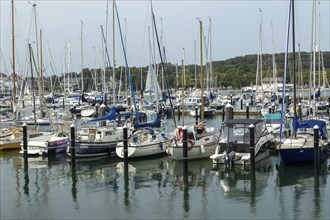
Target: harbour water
point(51, 188)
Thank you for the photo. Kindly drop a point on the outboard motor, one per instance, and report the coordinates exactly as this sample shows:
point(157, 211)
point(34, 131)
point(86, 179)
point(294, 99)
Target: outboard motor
point(230, 152)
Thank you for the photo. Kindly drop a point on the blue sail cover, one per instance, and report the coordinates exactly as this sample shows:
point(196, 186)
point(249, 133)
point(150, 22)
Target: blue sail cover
point(110, 116)
point(155, 124)
point(310, 124)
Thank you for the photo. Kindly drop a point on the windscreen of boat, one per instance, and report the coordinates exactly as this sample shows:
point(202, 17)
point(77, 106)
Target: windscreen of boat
point(235, 133)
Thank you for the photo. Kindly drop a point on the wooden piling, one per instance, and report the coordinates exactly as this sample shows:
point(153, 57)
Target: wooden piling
point(73, 144)
point(252, 158)
point(196, 115)
point(125, 144)
point(223, 113)
point(25, 140)
point(229, 112)
point(247, 111)
point(184, 143)
point(316, 149)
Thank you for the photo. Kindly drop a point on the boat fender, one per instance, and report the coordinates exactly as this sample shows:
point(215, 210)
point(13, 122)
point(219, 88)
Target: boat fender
point(189, 144)
point(202, 149)
point(161, 145)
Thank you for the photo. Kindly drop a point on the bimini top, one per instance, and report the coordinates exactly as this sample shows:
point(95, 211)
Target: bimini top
point(311, 123)
point(243, 121)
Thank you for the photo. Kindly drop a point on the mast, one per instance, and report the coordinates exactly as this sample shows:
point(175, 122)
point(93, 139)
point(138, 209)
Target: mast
point(182, 91)
point(32, 85)
point(274, 63)
point(82, 56)
point(113, 54)
point(314, 53)
point(294, 65)
point(260, 38)
point(202, 80)
point(13, 58)
point(195, 69)
point(41, 95)
point(211, 67)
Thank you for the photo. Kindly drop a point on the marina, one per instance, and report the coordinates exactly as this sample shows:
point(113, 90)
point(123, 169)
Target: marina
point(242, 138)
point(161, 187)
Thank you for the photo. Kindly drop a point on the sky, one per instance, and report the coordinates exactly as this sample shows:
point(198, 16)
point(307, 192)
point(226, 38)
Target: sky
point(233, 27)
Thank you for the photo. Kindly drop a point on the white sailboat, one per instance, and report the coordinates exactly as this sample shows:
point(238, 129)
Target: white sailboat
point(202, 139)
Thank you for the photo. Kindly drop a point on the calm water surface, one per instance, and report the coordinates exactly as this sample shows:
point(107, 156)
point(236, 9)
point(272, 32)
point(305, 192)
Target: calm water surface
point(51, 188)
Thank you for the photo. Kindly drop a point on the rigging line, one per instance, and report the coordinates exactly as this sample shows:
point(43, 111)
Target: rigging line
point(285, 69)
point(127, 69)
point(165, 67)
point(105, 45)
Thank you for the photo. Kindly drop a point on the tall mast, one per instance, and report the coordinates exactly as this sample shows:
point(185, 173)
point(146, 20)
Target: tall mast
point(202, 80)
point(294, 62)
point(195, 70)
point(260, 38)
point(82, 57)
point(314, 52)
point(113, 54)
point(13, 58)
point(210, 49)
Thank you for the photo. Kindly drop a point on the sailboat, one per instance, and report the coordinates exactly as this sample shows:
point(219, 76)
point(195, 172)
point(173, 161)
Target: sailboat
point(299, 147)
point(202, 140)
point(147, 139)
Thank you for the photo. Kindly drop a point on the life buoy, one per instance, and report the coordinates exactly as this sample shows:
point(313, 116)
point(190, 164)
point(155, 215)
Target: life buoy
point(179, 133)
point(190, 144)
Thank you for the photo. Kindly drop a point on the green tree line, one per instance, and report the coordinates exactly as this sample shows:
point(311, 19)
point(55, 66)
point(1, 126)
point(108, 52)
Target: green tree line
point(234, 72)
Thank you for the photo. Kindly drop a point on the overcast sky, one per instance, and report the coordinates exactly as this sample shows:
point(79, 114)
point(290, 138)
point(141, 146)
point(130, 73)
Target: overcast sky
point(234, 29)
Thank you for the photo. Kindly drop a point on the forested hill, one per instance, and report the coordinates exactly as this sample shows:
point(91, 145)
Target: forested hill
point(241, 71)
point(235, 72)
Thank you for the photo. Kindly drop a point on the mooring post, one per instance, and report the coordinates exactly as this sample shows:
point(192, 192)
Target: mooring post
point(223, 112)
point(299, 111)
point(63, 104)
point(73, 144)
point(179, 113)
point(316, 149)
point(105, 100)
point(251, 99)
point(25, 141)
point(125, 145)
point(247, 111)
point(196, 115)
point(185, 157)
point(229, 112)
point(287, 100)
point(231, 99)
point(328, 109)
point(129, 101)
point(184, 143)
point(241, 103)
point(252, 161)
point(75, 111)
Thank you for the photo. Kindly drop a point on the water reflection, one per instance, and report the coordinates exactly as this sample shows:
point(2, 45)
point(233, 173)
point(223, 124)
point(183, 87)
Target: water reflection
point(301, 179)
point(161, 187)
point(239, 182)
